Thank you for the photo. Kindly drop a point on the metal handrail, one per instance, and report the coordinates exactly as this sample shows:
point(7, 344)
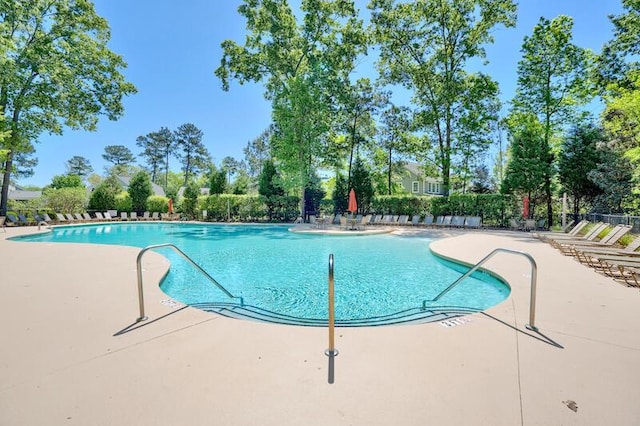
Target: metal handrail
point(534, 281)
point(332, 352)
point(142, 316)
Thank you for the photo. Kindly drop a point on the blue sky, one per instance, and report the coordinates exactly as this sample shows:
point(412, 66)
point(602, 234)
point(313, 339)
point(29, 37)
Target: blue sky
point(172, 49)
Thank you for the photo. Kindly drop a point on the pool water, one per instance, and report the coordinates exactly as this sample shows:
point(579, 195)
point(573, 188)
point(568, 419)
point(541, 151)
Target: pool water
point(286, 273)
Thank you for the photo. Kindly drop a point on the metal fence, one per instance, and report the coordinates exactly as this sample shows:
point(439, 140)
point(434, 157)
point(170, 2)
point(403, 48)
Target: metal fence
point(616, 219)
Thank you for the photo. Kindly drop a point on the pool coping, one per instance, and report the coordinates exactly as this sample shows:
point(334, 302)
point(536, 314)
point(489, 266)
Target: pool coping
point(61, 362)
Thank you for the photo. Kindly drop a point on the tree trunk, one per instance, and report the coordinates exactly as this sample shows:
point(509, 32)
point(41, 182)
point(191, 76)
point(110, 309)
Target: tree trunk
point(389, 172)
point(5, 183)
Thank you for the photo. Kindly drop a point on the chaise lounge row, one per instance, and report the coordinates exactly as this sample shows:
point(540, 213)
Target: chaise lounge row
point(597, 245)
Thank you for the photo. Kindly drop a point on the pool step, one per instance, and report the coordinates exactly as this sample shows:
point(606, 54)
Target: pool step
point(415, 315)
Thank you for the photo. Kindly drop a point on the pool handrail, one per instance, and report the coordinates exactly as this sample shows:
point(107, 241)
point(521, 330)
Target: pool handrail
point(142, 316)
point(534, 281)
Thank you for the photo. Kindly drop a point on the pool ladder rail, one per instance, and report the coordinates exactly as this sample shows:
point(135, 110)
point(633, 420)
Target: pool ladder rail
point(142, 316)
point(534, 281)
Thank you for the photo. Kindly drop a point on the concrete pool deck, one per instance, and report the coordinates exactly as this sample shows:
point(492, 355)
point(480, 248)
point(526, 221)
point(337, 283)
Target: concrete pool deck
point(63, 360)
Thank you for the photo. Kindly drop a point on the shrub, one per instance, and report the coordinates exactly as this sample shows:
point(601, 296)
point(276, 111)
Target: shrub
point(123, 202)
point(158, 203)
point(139, 190)
point(66, 200)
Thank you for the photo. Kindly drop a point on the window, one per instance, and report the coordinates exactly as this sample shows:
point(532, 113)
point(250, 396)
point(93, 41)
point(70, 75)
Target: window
point(415, 186)
point(431, 188)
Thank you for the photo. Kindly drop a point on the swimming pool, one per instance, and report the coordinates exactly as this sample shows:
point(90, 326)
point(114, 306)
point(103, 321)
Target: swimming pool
point(282, 276)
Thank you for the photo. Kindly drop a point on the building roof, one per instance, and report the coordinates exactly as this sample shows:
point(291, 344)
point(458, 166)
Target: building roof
point(125, 180)
point(22, 195)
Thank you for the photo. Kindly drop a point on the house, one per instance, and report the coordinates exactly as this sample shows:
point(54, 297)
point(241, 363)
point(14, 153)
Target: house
point(415, 182)
point(16, 193)
point(125, 180)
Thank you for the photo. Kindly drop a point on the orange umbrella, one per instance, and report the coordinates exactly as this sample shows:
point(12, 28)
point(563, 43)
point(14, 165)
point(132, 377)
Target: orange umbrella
point(170, 205)
point(353, 205)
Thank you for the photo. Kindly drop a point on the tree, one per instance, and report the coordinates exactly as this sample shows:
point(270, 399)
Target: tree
point(481, 182)
point(190, 202)
point(395, 138)
point(425, 46)
point(340, 194)
point(120, 156)
point(103, 197)
point(139, 190)
point(80, 166)
point(66, 181)
point(527, 165)
point(192, 152)
point(552, 82)
point(257, 152)
point(613, 175)
point(56, 71)
point(269, 187)
point(156, 149)
point(361, 184)
point(578, 157)
point(231, 166)
point(311, 61)
point(313, 195)
point(217, 180)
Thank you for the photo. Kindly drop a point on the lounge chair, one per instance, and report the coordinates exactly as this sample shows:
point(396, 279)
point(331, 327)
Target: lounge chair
point(337, 219)
point(589, 236)
point(146, 216)
point(428, 220)
point(99, 216)
point(22, 219)
point(472, 222)
point(596, 256)
point(123, 216)
point(47, 218)
point(415, 220)
point(529, 225)
point(61, 218)
point(155, 216)
point(610, 238)
point(79, 217)
point(516, 225)
point(402, 219)
point(3, 219)
point(574, 233)
point(439, 221)
point(133, 216)
point(457, 221)
point(87, 217)
point(69, 217)
point(108, 216)
point(365, 221)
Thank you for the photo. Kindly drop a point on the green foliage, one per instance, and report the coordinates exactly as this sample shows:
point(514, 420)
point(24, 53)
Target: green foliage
point(80, 166)
point(613, 175)
point(362, 185)
point(158, 203)
point(118, 155)
point(578, 157)
point(139, 190)
point(190, 201)
point(103, 197)
point(313, 195)
point(340, 194)
point(123, 202)
point(425, 46)
point(241, 184)
point(528, 165)
point(239, 208)
point(156, 149)
point(66, 181)
point(56, 72)
point(217, 181)
point(66, 200)
point(401, 204)
point(257, 152)
point(191, 150)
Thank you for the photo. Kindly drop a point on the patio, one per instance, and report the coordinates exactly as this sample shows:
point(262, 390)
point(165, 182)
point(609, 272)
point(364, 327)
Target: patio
point(62, 362)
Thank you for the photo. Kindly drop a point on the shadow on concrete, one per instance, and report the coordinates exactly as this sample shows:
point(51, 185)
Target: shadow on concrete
point(538, 334)
point(139, 324)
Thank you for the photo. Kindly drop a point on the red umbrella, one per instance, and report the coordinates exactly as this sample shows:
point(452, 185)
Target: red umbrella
point(170, 205)
point(353, 205)
point(525, 207)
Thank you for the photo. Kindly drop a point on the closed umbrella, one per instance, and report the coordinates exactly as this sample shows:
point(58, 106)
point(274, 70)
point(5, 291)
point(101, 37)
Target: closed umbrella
point(353, 205)
point(525, 207)
point(170, 206)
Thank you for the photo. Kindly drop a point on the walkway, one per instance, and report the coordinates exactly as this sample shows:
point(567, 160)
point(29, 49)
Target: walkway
point(60, 363)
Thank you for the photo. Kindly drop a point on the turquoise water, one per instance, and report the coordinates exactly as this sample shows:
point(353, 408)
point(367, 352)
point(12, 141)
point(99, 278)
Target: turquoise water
point(287, 273)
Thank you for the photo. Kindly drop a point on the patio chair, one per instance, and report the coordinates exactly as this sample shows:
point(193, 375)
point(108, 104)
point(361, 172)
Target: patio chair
point(457, 221)
point(516, 225)
point(146, 216)
point(123, 216)
point(472, 222)
point(133, 216)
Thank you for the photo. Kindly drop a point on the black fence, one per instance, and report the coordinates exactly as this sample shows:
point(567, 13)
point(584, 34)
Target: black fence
point(616, 219)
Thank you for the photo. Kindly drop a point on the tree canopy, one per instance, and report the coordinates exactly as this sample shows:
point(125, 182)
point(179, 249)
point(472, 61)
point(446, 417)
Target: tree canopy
point(56, 71)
